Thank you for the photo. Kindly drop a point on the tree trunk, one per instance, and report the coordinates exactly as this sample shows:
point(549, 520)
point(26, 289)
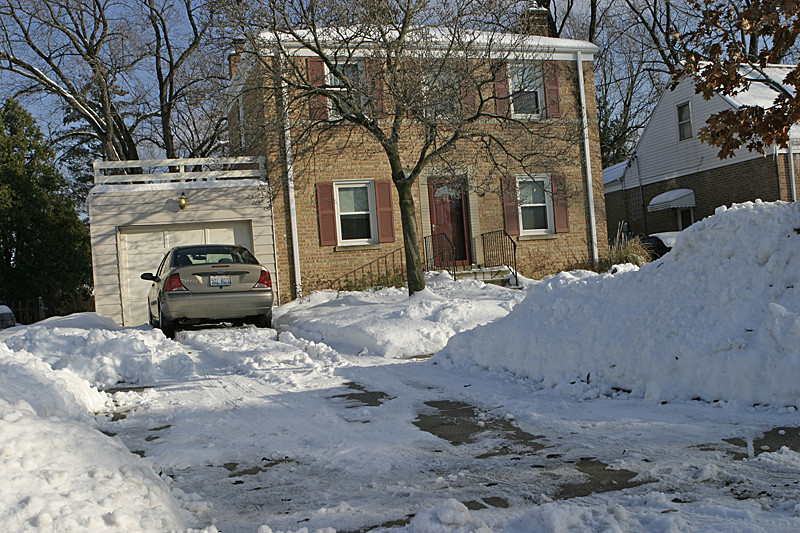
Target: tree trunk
point(408, 214)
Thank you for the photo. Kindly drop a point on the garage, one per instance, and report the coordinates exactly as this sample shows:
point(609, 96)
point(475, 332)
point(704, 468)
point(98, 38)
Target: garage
point(140, 209)
point(142, 248)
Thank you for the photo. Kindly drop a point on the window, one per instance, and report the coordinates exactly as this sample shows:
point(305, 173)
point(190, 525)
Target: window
point(535, 205)
point(684, 122)
point(527, 98)
point(351, 87)
point(355, 211)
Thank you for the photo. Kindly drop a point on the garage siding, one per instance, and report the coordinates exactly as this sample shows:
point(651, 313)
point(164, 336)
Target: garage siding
point(119, 213)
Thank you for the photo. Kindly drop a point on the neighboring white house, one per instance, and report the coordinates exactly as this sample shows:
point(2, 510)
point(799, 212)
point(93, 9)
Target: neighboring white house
point(140, 209)
point(673, 179)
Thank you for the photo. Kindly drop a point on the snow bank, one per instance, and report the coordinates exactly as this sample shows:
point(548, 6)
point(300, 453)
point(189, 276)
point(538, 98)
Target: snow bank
point(717, 318)
point(390, 324)
point(101, 352)
point(57, 471)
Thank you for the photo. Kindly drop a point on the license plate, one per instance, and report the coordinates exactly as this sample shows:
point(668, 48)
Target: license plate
point(220, 281)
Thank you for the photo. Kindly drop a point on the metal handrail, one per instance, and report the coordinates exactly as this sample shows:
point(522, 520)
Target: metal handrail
point(385, 271)
point(440, 253)
point(500, 249)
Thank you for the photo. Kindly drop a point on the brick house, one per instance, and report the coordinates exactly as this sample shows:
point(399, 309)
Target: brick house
point(673, 179)
point(335, 207)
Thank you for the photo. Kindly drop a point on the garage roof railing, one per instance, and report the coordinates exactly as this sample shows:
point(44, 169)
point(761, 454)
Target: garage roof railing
point(177, 170)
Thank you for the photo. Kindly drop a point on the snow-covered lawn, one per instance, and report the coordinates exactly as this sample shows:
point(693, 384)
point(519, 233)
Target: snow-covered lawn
point(656, 399)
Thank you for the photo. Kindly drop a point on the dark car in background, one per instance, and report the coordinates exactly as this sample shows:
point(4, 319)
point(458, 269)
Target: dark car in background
point(209, 284)
point(659, 244)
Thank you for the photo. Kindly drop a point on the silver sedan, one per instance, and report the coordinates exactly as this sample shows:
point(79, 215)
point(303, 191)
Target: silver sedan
point(209, 283)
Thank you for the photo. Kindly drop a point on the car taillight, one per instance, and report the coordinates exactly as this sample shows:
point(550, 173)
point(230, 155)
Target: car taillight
point(264, 282)
point(174, 283)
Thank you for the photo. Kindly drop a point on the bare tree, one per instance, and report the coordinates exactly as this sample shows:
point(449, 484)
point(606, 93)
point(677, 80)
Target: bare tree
point(412, 80)
point(131, 73)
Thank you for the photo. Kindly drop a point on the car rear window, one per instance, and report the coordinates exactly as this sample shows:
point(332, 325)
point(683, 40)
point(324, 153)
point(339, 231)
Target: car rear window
point(209, 255)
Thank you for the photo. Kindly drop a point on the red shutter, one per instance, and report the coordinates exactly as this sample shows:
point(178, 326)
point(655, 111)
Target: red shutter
point(560, 204)
point(501, 93)
point(318, 103)
point(468, 98)
point(383, 199)
point(508, 186)
point(326, 215)
point(551, 89)
point(375, 85)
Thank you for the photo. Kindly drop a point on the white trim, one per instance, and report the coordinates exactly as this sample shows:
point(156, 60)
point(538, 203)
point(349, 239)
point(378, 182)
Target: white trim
point(373, 212)
point(587, 161)
point(548, 202)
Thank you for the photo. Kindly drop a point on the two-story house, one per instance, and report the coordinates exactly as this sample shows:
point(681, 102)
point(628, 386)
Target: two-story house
point(335, 206)
point(673, 178)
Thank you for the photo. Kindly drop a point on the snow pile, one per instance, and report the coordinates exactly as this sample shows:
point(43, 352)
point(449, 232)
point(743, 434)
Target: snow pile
point(101, 352)
point(60, 473)
point(390, 324)
point(450, 517)
point(717, 318)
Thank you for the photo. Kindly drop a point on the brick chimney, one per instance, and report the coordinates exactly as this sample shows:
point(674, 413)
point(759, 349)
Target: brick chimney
point(535, 20)
point(235, 56)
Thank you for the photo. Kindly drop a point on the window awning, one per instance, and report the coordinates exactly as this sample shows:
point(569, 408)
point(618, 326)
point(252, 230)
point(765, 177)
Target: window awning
point(672, 199)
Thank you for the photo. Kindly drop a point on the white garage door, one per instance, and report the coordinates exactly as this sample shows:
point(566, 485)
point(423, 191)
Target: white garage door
point(142, 248)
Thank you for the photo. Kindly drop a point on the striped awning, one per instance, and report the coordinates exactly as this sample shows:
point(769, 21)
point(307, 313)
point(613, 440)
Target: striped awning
point(672, 199)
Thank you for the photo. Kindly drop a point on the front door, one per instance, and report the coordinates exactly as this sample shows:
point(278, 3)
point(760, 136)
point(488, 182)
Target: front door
point(448, 201)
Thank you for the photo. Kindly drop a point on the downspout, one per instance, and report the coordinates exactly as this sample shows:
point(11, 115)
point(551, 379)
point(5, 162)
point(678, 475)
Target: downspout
point(791, 169)
point(588, 161)
point(287, 140)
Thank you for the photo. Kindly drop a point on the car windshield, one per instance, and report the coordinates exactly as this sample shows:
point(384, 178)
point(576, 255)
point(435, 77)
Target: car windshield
point(207, 255)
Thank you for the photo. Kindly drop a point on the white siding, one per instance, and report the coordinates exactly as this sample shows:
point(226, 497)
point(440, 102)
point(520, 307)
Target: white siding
point(660, 155)
point(121, 210)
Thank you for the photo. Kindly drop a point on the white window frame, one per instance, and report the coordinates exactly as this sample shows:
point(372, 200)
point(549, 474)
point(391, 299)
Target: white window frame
point(539, 89)
point(361, 64)
point(373, 212)
point(689, 121)
point(548, 202)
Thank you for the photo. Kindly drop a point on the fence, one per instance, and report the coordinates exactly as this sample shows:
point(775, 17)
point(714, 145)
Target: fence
point(499, 249)
point(28, 311)
point(386, 271)
point(440, 253)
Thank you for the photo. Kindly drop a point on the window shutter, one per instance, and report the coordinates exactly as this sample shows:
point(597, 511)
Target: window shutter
point(501, 93)
point(551, 89)
point(383, 199)
point(508, 187)
point(326, 215)
point(318, 103)
point(468, 98)
point(560, 204)
point(375, 85)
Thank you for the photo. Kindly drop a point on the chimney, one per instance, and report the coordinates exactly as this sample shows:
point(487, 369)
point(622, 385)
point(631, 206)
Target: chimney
point(535, 21)
point(234, 56)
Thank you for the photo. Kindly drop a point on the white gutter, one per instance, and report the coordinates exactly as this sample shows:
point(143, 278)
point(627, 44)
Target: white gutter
point(287, 137)
point(588, 161)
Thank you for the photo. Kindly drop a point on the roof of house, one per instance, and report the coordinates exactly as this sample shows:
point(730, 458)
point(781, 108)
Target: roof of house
point(614, 172)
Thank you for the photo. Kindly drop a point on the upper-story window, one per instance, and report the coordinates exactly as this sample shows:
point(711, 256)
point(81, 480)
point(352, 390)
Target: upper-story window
point(684, 121)
point(352, 77)
point(527, 90)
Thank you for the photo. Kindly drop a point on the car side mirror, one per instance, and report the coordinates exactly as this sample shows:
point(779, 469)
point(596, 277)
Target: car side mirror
point(149, 277)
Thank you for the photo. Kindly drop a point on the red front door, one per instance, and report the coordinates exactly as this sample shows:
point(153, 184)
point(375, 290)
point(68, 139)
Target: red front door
point(448, 201)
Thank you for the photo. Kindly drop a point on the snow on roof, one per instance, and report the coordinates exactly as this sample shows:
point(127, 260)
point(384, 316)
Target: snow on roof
point(614, 172)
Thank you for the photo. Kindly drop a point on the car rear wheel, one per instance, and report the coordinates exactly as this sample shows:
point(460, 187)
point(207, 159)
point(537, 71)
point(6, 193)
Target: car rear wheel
point(264, 321)
point(166, 326)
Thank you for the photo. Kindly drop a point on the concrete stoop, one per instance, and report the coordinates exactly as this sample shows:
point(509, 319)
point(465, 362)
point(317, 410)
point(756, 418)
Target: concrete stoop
point(493, 275)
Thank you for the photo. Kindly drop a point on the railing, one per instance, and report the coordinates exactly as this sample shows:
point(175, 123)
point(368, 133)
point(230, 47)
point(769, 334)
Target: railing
point(499, 249)
point(386, 271)
point(28, 311)
point(440, 253)
point(186, 169)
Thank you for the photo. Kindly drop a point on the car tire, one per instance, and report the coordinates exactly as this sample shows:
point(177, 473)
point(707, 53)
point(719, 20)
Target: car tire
point(264, 321)
point(166, 326)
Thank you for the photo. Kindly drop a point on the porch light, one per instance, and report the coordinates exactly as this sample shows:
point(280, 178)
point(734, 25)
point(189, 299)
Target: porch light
point(182, 200)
